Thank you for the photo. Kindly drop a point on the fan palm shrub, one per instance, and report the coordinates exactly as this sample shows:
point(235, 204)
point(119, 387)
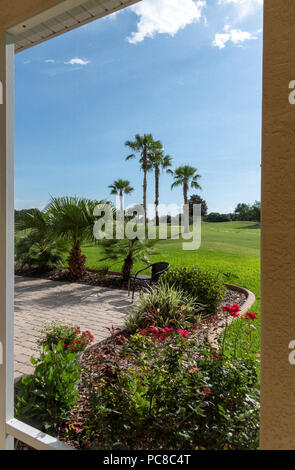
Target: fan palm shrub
point(129, 251)
point(37, 245)
point(72, 219)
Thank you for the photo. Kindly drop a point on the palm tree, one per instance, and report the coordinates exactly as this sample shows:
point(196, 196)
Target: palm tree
point(144, 146)
point(186, 176)
point(73, 220)
point(129, 251)
point(119, 187)
point(36, 243)
point(158, 161)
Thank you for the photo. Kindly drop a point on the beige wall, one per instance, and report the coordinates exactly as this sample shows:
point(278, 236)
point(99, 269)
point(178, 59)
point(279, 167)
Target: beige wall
point(15, 11)
point(278, 227)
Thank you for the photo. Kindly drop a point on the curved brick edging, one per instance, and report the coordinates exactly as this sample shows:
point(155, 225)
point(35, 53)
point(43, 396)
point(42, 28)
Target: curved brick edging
point(250, 297)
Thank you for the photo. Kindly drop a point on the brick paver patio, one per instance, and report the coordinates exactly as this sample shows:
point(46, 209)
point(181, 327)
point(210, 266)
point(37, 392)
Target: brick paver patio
point(38, 301)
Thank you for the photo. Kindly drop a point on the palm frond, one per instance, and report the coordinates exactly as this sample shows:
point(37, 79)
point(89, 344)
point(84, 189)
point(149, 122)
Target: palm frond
point(72, 217)
point(176, 183)
point(195, 184)
point(130, 157)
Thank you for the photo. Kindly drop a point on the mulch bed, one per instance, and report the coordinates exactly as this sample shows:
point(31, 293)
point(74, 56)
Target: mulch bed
point(92, 277)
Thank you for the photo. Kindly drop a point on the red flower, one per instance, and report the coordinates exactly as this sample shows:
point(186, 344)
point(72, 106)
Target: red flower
point(153, 330)
point(232, 310)
point(157, 333)
point(215, 356)
point(206, 390)
point(183, 333)
point(193, 370)
point(250, 316)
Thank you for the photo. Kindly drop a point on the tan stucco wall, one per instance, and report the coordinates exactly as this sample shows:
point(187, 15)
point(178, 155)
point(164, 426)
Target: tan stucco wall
point(278, 227)
point(15, 11)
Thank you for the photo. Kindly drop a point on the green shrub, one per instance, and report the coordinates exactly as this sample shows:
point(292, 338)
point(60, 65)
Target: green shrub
point(44, 254)
point(173, 395)
point(216, 217)
point(37, 245)
point(203, 286)
point(51, 392)
point(71, 337)
point(164, 306)
point(103, 272)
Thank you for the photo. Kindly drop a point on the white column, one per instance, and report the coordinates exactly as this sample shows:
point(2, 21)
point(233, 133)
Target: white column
point(6, 236)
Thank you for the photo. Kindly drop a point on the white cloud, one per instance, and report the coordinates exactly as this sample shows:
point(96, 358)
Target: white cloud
point(77, 61)
point(236, 36)
point(243, 8)
point(164, 17)
point(50, 61)
point(240, 2)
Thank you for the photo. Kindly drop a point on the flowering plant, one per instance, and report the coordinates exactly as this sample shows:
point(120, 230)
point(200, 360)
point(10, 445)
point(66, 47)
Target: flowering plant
point(250, 316)
point(166, 306)
point(239, 346)
point(50, 393)
point(232, 310)
point(161, 387)
point(163, 333)
point(71, 337)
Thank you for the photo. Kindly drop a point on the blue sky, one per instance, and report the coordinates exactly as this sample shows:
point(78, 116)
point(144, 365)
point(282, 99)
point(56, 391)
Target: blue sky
point(187, 71)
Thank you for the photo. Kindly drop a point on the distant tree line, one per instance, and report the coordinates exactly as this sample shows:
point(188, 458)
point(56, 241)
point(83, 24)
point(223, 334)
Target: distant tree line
point(243, 211)
point(248, 212)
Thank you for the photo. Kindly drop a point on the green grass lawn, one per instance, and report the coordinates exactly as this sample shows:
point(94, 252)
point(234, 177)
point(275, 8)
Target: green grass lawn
point(230, 248)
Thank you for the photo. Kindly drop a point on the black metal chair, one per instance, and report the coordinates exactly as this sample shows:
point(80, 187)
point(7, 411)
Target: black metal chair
point(148, 281)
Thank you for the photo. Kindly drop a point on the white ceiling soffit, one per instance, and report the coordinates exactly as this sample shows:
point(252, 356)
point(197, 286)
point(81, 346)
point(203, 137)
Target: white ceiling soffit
point(63, 17)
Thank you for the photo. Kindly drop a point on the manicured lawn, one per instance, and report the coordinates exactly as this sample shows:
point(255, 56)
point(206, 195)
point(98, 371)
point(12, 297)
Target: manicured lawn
point(230, 248)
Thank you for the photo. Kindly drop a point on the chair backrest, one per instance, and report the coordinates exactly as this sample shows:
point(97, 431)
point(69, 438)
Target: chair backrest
point(158, 269)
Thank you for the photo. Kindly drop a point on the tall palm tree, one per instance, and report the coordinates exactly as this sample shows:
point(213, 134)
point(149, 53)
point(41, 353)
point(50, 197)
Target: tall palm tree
point(186, 176)
point(119, 187)
point(144, 146)
point(158, 161)
point(73, 219)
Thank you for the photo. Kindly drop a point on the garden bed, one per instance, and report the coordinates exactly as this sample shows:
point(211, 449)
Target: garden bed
point(206, 331)
point(170, 380)
point(92, 277)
